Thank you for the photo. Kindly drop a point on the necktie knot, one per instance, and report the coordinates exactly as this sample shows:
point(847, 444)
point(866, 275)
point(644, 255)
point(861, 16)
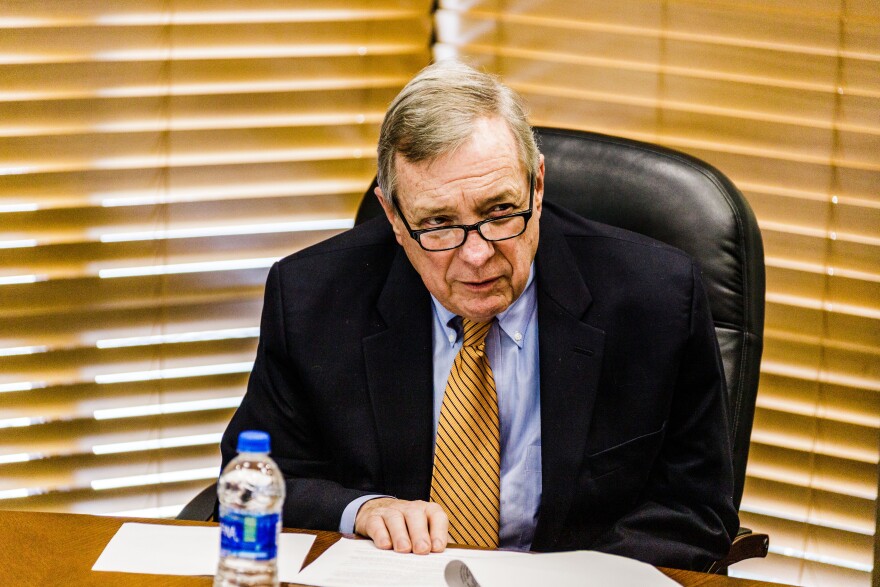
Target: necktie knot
point(474, 332)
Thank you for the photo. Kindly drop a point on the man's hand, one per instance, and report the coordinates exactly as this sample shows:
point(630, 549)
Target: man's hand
point(407, 526)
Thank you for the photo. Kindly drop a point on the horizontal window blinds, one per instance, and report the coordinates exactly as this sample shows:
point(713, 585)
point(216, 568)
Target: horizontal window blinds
point(783, 97)
point(155, 158)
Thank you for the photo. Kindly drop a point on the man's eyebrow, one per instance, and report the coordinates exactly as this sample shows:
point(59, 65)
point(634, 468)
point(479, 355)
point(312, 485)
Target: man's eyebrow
point(505, 196)
point(428, 211)
point(431, 211)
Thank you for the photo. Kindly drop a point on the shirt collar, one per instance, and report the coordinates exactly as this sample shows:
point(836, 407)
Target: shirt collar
point(513, 321)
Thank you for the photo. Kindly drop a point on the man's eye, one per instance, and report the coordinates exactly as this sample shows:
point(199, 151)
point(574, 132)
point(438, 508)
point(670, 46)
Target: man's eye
point(435, 221)
point(501, 209)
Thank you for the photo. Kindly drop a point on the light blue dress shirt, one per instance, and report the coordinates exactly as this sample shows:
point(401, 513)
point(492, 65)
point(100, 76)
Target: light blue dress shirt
point(512, 349)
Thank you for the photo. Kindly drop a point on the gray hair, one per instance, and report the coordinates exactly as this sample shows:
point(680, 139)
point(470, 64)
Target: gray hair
point(435, 113)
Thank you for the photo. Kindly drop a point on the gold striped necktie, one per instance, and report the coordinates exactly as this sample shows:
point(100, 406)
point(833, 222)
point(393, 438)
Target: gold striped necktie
point(467, 455)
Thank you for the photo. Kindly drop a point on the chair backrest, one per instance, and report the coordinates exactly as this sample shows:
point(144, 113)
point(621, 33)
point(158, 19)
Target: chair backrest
point(684, 202)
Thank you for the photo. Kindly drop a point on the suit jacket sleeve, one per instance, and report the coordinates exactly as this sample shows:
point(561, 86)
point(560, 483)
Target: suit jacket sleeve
point(277, 402)
point(686, 517)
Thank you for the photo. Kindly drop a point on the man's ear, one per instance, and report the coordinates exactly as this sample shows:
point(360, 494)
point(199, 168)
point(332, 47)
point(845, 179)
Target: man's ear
point(390, 215)
point(539, 186)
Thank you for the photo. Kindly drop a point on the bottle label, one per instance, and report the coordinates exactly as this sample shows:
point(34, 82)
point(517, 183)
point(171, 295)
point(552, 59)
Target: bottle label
point(247, 535)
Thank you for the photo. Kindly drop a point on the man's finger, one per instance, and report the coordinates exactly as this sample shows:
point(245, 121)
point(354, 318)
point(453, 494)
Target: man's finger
point(417, 525)
point(438, 523)
point(375, 529)
point(396, 524)
point(368, 522)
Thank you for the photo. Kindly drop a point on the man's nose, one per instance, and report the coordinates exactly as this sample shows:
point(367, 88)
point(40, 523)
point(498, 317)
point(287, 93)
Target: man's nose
point(476, 250)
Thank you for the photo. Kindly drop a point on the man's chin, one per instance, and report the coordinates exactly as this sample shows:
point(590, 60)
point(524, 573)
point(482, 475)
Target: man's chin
point(483, 312)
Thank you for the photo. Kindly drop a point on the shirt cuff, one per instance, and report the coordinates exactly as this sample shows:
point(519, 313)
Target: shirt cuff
point(349, 514)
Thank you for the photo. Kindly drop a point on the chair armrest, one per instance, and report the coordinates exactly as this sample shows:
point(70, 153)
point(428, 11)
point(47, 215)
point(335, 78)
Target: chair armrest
point(746, 545)
point(201, 507)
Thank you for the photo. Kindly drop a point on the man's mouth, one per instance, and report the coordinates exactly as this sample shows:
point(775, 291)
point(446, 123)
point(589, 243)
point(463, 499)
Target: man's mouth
point(482, 285)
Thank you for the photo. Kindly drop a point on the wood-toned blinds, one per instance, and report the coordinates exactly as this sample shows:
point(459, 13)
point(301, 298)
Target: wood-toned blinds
point(155, 158)
point(784, 97)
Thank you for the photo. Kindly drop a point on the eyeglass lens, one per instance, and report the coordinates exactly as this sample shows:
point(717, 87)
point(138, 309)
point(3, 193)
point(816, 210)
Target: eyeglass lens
point(494, 230)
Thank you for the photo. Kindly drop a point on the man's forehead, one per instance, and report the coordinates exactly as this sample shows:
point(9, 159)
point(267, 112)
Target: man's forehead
point(489, 153)
point(438, 179)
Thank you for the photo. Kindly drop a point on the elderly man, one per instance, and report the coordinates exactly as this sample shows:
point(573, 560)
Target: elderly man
point(482, 367)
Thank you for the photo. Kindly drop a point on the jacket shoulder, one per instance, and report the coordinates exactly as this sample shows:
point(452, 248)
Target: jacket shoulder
point(611, 241)
point(336, 272)
point(375, 234)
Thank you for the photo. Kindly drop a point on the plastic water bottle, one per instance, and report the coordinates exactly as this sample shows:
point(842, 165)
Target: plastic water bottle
point(251, 493)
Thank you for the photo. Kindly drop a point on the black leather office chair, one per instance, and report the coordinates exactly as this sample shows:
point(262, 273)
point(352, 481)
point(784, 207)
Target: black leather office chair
point(683, 202)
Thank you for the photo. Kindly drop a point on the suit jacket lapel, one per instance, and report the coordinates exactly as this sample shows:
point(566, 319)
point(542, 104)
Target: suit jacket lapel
point(570, 361)
point(399, 367)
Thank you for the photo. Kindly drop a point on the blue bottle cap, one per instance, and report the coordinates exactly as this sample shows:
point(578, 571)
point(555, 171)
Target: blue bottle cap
point(253, 441)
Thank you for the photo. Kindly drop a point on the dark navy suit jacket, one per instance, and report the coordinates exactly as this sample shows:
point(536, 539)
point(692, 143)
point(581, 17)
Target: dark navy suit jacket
point(635, 449)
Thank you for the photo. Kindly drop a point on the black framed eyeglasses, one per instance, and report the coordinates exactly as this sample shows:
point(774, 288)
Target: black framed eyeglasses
point(500, 228)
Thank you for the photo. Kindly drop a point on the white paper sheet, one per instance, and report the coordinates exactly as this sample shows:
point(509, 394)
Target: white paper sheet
point(186, 550)
point(358, 563)
point(564, 569)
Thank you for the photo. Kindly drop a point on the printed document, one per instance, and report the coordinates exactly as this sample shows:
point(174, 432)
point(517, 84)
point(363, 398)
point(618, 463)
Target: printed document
point(358, 563)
